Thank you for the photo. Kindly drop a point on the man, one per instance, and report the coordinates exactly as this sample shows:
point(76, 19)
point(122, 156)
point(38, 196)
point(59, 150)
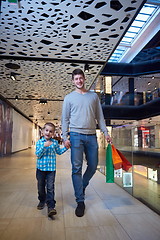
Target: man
point(80, 115)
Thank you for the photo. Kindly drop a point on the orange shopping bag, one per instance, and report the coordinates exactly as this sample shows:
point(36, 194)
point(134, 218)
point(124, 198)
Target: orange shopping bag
point(117, 161)
point(126, 165)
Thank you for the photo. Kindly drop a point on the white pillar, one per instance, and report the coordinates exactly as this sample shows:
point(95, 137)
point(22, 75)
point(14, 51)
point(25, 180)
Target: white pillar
point(108, 84)
point(157, 136)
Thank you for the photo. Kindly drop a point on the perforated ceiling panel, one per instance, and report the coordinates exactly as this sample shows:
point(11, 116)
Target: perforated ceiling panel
point(62, 30)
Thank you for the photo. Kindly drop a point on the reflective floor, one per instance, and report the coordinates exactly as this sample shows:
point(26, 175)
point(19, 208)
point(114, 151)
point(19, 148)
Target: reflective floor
point(111, 213)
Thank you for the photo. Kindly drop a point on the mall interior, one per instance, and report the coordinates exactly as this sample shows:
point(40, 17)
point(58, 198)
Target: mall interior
point(117, 44)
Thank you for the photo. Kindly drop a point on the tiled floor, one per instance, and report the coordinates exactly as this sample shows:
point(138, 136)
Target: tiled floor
point(111, 213)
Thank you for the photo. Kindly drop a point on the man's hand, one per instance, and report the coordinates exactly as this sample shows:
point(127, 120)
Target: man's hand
point(108, 139)
point(67, 143)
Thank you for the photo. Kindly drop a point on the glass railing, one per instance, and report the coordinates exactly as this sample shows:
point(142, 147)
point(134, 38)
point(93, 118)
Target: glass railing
point(141, 147)
point(126, 98)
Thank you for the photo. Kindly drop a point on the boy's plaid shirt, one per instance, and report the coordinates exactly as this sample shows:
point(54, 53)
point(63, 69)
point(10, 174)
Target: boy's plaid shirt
point(46, 156)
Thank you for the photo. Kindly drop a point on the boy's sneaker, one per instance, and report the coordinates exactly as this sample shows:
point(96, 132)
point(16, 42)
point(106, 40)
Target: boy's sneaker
point(40, 205)
point(80, 209)
point(51, 212)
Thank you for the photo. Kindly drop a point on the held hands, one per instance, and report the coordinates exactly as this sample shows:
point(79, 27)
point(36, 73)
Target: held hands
point(108, 139)
point(67, 144)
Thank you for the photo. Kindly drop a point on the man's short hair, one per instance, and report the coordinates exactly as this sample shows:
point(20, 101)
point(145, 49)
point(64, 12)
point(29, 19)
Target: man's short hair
point(76, 72)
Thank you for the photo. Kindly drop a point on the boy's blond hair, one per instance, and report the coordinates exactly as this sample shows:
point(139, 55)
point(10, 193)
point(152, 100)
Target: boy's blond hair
point(49, 124)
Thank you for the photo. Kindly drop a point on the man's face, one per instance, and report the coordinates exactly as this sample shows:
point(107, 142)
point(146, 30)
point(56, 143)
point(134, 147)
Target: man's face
point(79, 81)
point(48, 132)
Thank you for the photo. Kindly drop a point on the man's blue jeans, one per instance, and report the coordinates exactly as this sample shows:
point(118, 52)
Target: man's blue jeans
point(45, 181)
point(80, 144)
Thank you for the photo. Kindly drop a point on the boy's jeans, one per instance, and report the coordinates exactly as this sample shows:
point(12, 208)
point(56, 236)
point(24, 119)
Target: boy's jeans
point(45, 182)
point(83, 143)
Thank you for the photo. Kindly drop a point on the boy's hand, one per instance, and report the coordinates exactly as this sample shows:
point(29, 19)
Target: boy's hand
point(48, 143)
point(67, 144)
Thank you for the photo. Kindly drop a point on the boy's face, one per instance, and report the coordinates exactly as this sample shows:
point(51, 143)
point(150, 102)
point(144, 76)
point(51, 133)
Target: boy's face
point(48, 132)
point(78, 81)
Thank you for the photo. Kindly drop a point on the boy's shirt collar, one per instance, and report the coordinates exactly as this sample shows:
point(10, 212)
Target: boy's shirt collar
point(44, 140)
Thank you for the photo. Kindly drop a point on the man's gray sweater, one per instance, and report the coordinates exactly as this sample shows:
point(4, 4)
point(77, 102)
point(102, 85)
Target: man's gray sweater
point(81, 113)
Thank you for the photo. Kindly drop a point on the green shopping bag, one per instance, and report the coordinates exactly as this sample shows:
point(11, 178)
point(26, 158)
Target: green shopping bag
point(109, 165)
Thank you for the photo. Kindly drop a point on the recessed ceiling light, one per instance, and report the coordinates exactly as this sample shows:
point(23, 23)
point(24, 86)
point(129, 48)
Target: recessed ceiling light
point(16, 97)
point(86, 68)
point(12, 76)
point(43, 101)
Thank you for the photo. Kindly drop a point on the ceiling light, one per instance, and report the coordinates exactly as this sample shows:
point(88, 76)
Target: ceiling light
point(16, 97)
point(145, 16)
point(86, 68)
point(42, 101)
point(12, 76)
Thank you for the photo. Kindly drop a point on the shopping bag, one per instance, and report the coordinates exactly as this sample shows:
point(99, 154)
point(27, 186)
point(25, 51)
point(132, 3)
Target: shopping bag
point(117, 161)
point(126, 165)
point(109, 165)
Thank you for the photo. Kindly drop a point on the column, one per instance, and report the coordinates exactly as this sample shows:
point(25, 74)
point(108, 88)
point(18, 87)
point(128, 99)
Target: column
point(108, 91)
point(131, 90)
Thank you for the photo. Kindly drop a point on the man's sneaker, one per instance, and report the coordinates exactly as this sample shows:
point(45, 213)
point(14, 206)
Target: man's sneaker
point(80, 209)
point(40, 205)
point(51, 212)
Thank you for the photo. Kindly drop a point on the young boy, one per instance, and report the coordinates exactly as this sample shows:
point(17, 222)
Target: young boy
point(46, 149)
